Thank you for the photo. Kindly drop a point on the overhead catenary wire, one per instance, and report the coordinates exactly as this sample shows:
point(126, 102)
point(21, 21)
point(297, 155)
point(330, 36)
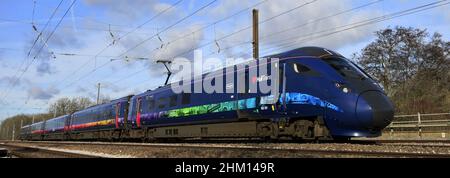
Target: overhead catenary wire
point(248, 27)
point(359, 23)
point(45, 27)
point(56, 27)
point(167, 28)
point(144, 41)
point(37, 38)
point(204, 27)
point(86, 28)
point(46, 41)
point(26, 68)
point(294, 41)
point(332, 31)
point(121, 37)
point(166, 44)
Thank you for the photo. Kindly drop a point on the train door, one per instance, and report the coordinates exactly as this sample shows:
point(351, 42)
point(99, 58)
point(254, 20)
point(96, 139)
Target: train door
point(138, 111)
point(117, 114)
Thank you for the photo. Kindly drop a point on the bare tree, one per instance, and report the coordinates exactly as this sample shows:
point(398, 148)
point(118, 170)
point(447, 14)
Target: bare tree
point(412, 66)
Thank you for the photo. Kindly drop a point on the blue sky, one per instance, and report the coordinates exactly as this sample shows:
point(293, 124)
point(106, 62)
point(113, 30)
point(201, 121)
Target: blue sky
point(91, 25)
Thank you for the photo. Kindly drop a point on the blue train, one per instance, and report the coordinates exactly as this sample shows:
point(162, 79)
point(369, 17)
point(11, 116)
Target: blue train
point(322, 95)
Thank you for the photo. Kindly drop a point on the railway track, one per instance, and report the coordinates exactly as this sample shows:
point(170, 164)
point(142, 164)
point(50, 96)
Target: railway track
point(408, 141)
point(253, 148)
point(20, 151)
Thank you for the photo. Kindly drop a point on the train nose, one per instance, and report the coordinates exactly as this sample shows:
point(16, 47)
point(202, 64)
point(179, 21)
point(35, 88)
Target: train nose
point(375, 110)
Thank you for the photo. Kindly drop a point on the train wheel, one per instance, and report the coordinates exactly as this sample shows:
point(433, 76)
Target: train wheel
point(275, 132)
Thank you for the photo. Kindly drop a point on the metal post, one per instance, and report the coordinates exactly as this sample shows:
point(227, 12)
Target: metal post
point(13, 131)
point(98, 93)
point(32, 121)
point(419, 124)
point(255, 34)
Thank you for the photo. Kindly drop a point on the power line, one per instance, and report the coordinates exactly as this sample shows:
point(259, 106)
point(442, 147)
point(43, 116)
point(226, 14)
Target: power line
point(321, 34)
point(56, 27)
point(45, 27)
point(109, 45)
point(151, 19)
point(204, 27)
point(218, 21)
point(335, 30)
point(249, 27)
point(307, 23)
point(147, 39)
point(323, 18)
point(48, 38)
point(38, 37)
point(234, 33)
point(169, 27)
point(81, 28)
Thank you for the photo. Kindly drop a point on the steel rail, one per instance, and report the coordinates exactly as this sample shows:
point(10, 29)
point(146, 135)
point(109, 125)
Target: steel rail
point(305, 151)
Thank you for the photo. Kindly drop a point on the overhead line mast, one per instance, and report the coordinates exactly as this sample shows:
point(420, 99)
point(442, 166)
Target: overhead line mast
point(256, 34)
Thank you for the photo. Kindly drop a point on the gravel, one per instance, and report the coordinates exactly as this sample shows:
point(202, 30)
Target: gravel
point(260, 150)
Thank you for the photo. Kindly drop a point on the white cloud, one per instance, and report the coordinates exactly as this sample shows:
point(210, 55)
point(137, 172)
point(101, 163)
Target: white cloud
point(131, 9)
point(39, 93)
point(303, 15)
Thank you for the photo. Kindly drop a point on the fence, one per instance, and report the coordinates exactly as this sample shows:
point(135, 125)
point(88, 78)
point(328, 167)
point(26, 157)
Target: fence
point(420, 123)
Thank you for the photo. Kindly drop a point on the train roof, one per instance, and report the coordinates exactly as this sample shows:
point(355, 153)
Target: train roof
point(105, 104)
point(306, 51)
point(60, 117)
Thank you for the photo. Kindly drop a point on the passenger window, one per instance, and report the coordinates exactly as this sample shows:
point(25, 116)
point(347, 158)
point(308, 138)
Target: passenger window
point(151, 104)
point(173, 100)
point(162, 103)
point(186, 99)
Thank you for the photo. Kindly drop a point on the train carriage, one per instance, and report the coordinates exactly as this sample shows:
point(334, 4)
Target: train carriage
point(54, 129)
point(98, 122)
point(25, 132)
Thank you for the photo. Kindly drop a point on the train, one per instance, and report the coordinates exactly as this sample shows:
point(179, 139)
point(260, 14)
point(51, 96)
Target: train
point(322, 95)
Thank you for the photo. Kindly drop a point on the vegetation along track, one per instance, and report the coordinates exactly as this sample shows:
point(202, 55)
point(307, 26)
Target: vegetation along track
point(338, 150)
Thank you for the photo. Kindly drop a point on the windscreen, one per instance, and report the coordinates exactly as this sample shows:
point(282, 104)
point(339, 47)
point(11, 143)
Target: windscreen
point(346, 68)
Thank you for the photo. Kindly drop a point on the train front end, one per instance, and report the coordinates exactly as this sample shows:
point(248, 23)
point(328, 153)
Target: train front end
point(350, 101)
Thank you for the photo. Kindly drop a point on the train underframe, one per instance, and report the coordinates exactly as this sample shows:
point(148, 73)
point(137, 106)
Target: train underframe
point(297, 129)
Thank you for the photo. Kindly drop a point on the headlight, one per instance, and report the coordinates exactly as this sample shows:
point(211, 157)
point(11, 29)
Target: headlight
point(343, 87)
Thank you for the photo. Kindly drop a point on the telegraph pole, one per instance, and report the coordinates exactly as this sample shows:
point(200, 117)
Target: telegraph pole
point(98, 93)
point(32, 121)
point(255, 34)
